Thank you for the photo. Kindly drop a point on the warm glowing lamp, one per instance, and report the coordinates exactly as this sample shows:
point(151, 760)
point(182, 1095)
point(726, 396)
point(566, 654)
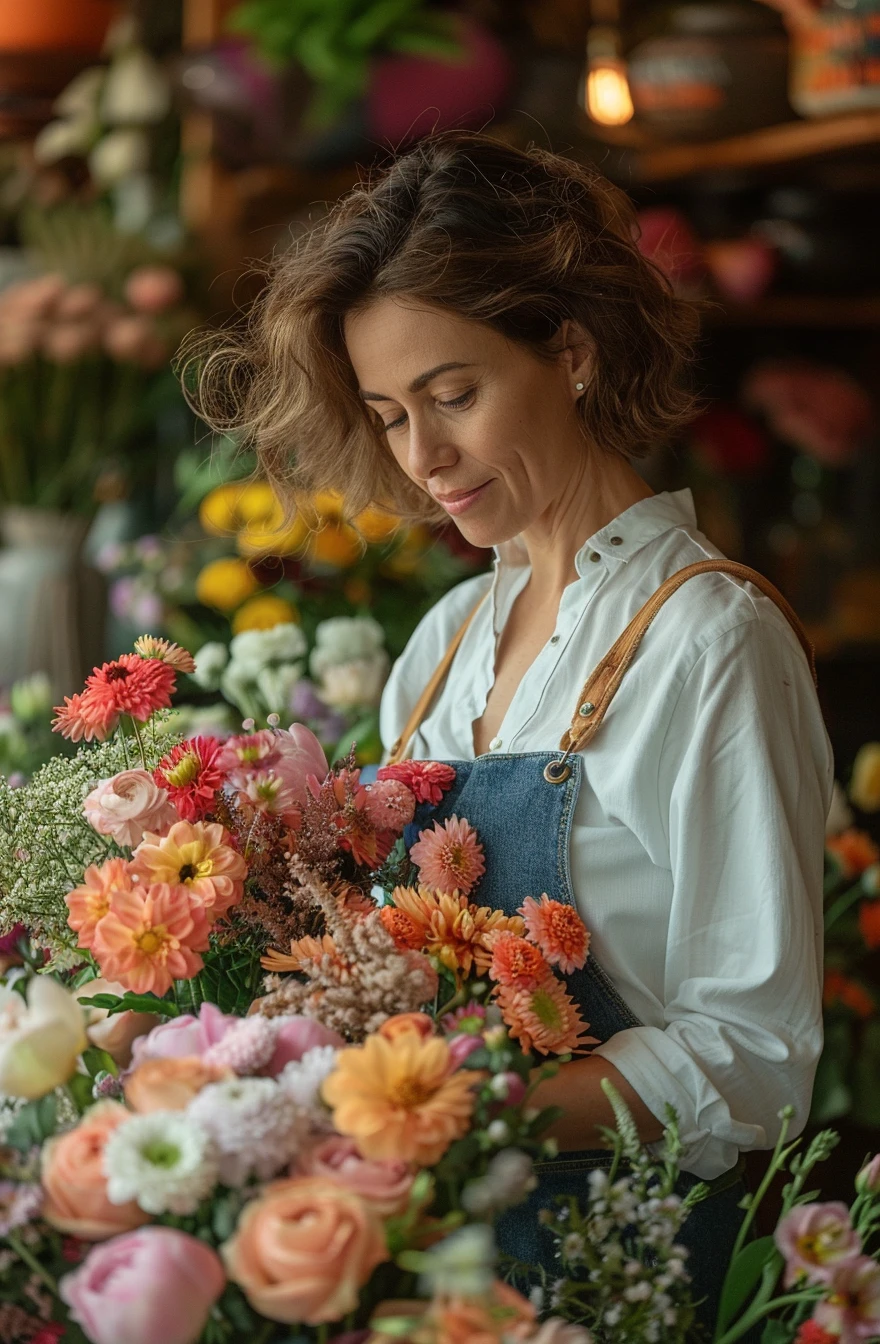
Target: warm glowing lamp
point(607, 97)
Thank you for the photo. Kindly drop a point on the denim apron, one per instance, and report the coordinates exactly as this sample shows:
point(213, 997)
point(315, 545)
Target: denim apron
point(522, 806)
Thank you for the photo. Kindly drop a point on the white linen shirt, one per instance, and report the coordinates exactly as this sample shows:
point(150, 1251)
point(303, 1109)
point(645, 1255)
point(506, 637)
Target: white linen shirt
point(697, 845)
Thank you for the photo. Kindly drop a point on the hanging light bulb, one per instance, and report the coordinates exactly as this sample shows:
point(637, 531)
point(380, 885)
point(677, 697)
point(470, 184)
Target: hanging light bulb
point(607, 97)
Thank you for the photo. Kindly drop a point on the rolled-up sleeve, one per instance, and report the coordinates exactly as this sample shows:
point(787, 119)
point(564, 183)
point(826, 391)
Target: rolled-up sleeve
point(744, 779)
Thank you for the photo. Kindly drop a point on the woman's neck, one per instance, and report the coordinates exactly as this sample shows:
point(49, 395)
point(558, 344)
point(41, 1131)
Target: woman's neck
point(604, 486)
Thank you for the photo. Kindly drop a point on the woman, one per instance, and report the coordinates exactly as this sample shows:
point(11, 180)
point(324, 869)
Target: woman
point(476, 336)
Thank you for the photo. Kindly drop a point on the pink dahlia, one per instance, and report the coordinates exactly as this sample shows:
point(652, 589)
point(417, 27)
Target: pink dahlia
point(78, 720)
point(558, 931)
point(390, 805)
point(191, 776)
point(449, 857)
point(428, 780)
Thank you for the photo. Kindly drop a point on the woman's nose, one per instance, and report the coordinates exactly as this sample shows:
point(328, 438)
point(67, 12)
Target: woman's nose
point(429, 448)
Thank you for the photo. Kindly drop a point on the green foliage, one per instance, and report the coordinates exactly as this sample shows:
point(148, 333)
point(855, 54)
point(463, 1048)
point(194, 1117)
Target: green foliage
point(334, 43)
point(34, 1122)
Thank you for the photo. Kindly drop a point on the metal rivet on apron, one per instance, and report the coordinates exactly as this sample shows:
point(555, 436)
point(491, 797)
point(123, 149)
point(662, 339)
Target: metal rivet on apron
point(594, 556)
point(557, 772)
point(617, 541)
point(586, 709)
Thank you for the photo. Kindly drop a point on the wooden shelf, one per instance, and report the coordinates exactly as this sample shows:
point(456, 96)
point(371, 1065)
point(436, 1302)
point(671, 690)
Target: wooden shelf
point(759, 149)
point(799, 310)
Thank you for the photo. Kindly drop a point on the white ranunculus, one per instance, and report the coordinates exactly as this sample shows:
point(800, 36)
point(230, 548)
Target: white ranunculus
point(118, 155)
point(343, 639)
point(40, 1040)
point(253, 650)
point(356, 684)
point(136, 91)
point(275, 685)
point(211, 659)
point(127, 805)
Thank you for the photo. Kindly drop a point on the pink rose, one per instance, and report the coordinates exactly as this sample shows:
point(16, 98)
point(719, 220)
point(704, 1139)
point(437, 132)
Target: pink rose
point(128, 805)
point(816, 1239)
point(153, 1286)
point(385, 1185)
point(185, 1035)
point(296, 1035)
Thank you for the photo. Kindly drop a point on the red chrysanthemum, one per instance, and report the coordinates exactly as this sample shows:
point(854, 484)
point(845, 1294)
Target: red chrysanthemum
point(191, 776)
point(130, 685)
point(77, 719)
point(428, 780)
point(517, 962)
point(811, 1332)
point(558, 931)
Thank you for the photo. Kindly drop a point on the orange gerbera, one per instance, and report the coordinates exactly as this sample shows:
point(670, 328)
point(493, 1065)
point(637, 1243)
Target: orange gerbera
point(196, 855)
point(544, 1018)
point(151, 937)
point(450, 857)
point(89, 903)
point(558, 931)
point(517, 962)
point(854, 850)
point(459, 934)
point(398, 1098)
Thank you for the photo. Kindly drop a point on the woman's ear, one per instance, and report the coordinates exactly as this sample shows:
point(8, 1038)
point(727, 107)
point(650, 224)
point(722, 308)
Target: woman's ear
point(578, 351)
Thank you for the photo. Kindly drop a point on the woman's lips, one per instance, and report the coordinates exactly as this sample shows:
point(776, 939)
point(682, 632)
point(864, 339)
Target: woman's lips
point(458, 503)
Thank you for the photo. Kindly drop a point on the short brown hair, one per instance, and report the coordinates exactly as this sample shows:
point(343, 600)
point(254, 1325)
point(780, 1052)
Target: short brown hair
point(517, 239)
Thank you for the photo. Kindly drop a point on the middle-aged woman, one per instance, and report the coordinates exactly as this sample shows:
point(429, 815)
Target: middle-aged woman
point(474, 335)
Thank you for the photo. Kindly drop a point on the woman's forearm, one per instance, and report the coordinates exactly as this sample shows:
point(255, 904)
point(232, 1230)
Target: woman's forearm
point(577, 1089)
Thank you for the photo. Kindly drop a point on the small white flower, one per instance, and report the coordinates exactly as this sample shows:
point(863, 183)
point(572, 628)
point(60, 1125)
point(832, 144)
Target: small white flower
point(210, 662)
point(302, 1079)
point(80, 97)
point(461, 1265)
point(612, 1315)
point(253, 650)
point(254, 1123)
point(117, 155)
point(343, 639)
point(163, 1159)
point(358, 683)
point(276, 683)
point(59, 139)
point(136, 91)
point(498, 1131)
point(638, 1292)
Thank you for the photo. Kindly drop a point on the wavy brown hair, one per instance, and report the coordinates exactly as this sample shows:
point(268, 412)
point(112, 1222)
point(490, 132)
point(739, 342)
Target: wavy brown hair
point(517, 239)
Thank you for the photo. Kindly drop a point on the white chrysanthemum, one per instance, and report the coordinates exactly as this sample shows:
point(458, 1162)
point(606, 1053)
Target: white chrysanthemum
point(255, 1124)
point(253, 650)
point(342, 639)
point(164, 1160)
point(211, 659)
point(302, 1079)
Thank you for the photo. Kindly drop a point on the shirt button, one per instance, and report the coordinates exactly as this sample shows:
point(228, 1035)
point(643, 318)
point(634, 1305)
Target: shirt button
point(554, 639)
point(495, 744)
point(594, 555)
point(616, 541)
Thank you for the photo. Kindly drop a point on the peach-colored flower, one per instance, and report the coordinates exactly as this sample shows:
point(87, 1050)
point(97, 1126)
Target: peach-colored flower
point(544, 1018)
point(74, 1182)
point(854, 850)
point(116, 1032)
point(150, 646)
point(450, 857)
point(815, 1240)
point(199, 856)
point(90, 903)
point(302, 951)
point(406, 931)
point(459, 934)
point(428, 780)
point(504, 1315)
point(385, 1185)
point(395, 1026)
point(79, 719)
point(303, 1250)
point(170, 1084)
point(127, 806)
point(558, 931)
point(151, 937)
point(517, 962)
point(398, 1099)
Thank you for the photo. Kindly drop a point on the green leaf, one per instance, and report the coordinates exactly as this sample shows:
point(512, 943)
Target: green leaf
point(776, 1332)
point(136, 1003)
point(742, 1277)
point(98, 1061)
point(33, 1124)
point(80, 1088)
point(865, 1087)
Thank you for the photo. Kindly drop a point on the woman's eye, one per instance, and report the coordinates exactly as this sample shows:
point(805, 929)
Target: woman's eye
point(457, 403)
point(395, 424)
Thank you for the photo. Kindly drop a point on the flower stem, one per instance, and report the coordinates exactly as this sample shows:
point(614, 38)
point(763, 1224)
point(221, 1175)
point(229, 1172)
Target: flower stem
point(31, 1261)
point(774, 1166)
point(140, 741)
point(843, 903)
point(755, 1314)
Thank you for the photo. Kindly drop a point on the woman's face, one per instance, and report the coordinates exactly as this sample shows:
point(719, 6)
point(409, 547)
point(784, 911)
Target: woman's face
point(475, 420)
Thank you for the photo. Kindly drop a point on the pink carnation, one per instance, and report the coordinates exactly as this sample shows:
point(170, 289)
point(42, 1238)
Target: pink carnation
point(383, 1184)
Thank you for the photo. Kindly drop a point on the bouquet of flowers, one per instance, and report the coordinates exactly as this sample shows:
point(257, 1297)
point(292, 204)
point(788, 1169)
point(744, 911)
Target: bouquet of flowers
point(184, 1160)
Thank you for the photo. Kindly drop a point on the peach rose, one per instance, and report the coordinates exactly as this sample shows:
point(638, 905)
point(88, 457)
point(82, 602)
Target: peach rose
point(114, 1033)
point(400, 1023)
point(170, 1084)
point(385, 1185)
point(303, 1250)
point(127, 806)
point(74, 1183)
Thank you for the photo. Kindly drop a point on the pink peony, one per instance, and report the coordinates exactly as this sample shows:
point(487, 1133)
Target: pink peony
point(852, 1308)
point(384, 1185)
point(185, 1035)
point(127, 805)
point(152, 1286)
point(461, 1048)
point(296, 1036)
point(816, 1239)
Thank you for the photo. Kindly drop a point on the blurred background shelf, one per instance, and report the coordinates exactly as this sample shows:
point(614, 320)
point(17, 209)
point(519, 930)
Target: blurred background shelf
point(799, 310)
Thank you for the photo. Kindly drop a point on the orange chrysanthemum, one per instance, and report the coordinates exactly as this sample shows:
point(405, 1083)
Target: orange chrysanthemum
point(303, 951)
point(406, 931)
point(89, 903)
point(398, 1099)
point(854, 850)
point(196, 855)
point(869, 922)
point(78, 720)
point(151, 937)
point(517, 962)
point(544, 1018)
point(558, 931)
point(459, 934)
point(450, 857)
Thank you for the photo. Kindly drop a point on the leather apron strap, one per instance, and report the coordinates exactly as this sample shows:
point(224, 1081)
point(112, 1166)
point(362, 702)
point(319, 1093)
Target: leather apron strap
point(602, 684)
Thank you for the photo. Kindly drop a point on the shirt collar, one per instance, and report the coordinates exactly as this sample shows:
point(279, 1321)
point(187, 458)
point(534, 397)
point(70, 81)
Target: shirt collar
point(624, 536)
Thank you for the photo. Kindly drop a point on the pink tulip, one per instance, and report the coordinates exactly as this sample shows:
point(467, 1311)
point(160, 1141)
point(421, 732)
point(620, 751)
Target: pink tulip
point(296, 1035)
point(868, 1179)
point(185, 1035)
point(816, 1240)
point(80, 301)
point(152, 1286)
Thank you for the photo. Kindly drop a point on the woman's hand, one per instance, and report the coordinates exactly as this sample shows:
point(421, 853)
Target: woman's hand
point(577, 1089)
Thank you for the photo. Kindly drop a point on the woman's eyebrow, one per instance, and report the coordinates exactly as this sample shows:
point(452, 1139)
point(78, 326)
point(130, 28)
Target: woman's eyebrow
point(418, 383)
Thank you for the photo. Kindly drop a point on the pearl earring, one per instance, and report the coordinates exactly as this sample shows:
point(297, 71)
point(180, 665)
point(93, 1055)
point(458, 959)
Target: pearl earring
point(579, 387)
